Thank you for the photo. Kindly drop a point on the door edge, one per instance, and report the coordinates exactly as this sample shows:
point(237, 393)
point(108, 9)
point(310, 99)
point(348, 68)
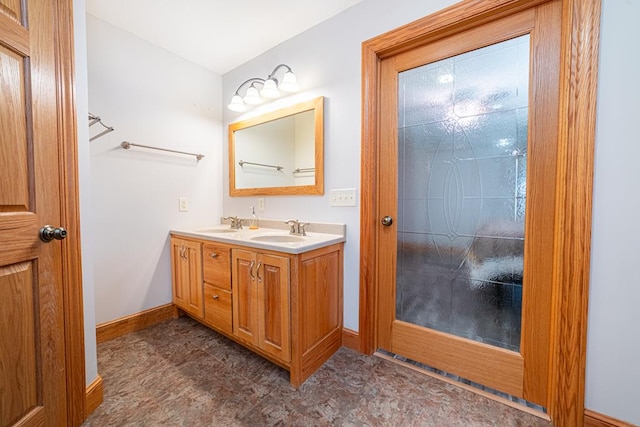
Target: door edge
point(70, 215)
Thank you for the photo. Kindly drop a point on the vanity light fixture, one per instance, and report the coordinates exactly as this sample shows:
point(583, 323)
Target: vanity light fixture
point(270, 89)
point(252, 97)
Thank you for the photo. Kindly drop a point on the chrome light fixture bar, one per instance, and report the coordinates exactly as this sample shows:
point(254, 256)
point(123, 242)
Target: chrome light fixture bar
point(269, 88)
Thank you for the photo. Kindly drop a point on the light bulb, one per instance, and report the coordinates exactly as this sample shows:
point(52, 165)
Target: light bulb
point(289, 82)
point(270, 89)
point(252, 97)
point(237, 104)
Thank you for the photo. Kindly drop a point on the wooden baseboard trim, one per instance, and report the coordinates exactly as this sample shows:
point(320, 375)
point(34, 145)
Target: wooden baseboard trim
point(595, 419)
point(94, 396)
point(135, 322)
point(350, 339)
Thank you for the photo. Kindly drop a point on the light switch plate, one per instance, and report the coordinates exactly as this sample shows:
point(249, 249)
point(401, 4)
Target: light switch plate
point(260, 203)
point(183, 204)
point(343, 197)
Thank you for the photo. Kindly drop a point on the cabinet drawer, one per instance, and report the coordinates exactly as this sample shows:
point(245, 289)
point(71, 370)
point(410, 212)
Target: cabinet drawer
point(217, 265)
point(217, 308)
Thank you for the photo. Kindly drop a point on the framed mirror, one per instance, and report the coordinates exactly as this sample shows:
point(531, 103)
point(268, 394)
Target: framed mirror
point(278, 153)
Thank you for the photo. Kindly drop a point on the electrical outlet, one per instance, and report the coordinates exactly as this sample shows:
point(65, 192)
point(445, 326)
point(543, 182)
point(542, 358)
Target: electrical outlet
point(343, 197)
point(183, 204)
point(261, 203)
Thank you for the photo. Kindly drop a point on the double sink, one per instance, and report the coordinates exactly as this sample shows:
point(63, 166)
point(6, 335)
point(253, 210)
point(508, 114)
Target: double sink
point(270, 237)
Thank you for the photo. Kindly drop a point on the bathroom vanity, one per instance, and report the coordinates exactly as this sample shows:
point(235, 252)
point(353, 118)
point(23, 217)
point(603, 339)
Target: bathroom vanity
point(279, 295)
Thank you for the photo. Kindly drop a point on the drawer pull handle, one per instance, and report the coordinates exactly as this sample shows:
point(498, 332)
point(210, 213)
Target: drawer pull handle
point(214, 255)
point(216, 296)
point(258, 271)
point(251, 270)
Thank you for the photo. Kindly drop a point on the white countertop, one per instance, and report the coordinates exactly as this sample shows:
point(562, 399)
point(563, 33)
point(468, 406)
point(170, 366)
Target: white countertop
point(246, 237)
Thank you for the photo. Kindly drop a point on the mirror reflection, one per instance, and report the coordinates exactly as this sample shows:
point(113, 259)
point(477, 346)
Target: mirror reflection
point(278, 153)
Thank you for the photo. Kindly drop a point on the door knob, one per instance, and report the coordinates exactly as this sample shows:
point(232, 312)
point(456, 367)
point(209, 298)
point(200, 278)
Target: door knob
point(49, 232)
point(387, 221)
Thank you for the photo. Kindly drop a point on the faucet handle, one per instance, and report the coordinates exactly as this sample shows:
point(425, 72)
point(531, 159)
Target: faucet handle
point(301, 227)
point(236, 223)
point(293, 223)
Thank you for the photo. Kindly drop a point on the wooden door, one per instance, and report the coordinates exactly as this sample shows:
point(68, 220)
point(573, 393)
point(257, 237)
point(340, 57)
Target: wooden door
point(245, 320)
point(273, 309)
point(579, 28)
point(454, 242)
point(34, 366)
point(186, 257)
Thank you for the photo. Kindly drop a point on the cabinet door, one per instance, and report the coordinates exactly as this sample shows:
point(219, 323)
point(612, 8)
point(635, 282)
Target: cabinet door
point(245, 319)
point(186, 257)
point(272, 277)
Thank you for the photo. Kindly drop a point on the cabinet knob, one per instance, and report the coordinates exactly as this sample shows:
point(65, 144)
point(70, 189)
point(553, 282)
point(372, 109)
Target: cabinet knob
point(214, 255)
point(216, 297)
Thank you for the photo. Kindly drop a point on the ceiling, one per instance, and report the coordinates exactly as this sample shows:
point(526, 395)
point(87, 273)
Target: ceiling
point(216, 34)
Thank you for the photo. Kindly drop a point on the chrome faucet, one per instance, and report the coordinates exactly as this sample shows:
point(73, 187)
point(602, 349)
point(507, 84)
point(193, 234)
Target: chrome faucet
point(297, 227)
point(236, 223)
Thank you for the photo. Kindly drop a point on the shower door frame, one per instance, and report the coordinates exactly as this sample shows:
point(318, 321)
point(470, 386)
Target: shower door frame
point(573, 181)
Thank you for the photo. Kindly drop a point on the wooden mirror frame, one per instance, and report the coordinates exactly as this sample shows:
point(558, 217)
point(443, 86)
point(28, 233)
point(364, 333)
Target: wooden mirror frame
point(317, 106)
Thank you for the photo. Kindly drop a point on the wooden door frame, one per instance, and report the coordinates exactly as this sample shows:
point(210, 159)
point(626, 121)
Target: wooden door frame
point(70, 212)
point(574, 179)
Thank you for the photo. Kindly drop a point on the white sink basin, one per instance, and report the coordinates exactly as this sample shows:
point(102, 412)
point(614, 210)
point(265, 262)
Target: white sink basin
point(272, 235)
point(277, 239)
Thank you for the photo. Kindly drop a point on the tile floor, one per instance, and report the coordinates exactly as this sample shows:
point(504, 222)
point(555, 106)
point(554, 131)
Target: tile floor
point(180, 373)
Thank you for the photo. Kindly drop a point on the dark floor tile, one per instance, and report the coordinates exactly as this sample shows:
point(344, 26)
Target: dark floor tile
point(326, 403)
point(271, 411)
point(180, 373)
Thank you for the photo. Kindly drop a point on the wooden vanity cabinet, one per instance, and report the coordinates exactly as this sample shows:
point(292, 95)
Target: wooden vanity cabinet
point(289, 307)
point(186, 259)
point(316, 309)
point(285, 307)
point(261, 310)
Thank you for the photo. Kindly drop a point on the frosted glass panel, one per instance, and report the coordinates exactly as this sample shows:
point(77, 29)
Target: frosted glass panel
point(462, 193)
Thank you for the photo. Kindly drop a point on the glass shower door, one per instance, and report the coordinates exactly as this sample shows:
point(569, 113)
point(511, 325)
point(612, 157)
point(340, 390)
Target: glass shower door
point(466, 201)
point(461, 196)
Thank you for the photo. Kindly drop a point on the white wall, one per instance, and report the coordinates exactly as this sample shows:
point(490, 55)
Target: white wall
point(155, 98)
point(84, 173)
point(326, 60)
point(613, 348)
